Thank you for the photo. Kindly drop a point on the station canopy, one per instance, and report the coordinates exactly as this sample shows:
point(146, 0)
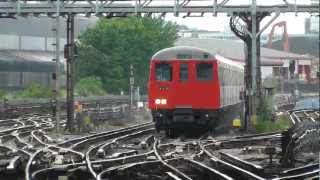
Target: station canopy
point(26, 61)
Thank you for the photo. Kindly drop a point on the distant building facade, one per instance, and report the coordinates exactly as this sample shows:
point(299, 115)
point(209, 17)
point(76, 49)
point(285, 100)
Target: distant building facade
point(20, 69)
point(27, 50)
point(203, 34)
point(37, 34)
point(312, 23)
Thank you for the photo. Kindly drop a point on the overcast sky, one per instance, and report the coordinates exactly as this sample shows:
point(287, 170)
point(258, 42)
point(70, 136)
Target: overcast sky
point(295, 23)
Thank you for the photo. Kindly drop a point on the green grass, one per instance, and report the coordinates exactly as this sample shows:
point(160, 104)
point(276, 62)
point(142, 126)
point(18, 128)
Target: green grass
point(264, 123)
point(281, 123)
point(34, 91)
point(3, 94)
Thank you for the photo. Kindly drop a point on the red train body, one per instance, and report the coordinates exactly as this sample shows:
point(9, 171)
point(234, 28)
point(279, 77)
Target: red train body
point(190, 87)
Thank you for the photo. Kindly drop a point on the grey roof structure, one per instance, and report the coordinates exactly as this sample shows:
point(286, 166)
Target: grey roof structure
point(26, 61)
point(234, 49)
point(182, 52)
point(303, 44)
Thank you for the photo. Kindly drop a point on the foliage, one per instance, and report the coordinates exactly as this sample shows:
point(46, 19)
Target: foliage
point(281, 123)
point(35, 91)
point(89, 86)
point(265, 112)
point(266, 122)
point(3, 94)
point(107, 50)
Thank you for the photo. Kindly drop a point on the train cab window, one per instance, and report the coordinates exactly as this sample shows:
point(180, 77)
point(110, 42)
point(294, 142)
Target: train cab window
point(163, 72)
point(183, 72)
point(204, 71)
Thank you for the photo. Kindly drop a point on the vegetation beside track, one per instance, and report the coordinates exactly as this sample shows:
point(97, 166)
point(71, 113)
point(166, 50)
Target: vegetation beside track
point(3, 94)
point(89, 86)
point(86, 87)
point(267, 121)
point(35, 91)
point(281, 123)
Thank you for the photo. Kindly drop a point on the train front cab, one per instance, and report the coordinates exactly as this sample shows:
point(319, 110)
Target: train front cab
point(184, 94)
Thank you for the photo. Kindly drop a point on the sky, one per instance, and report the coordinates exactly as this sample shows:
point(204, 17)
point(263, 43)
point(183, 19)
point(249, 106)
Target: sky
point(295, 22)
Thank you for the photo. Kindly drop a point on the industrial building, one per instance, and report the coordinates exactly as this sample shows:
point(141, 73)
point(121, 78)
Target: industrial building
point(20, 69)
point(27, 52)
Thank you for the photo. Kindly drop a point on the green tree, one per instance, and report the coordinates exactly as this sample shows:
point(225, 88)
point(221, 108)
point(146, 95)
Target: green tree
point(107, 50)
point(89, 86)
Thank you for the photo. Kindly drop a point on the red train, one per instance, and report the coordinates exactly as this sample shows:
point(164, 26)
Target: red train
point(191, 87)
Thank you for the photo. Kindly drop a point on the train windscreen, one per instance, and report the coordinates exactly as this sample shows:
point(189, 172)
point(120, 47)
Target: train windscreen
point(204, 71)
point(163, 72)
point(183, 72)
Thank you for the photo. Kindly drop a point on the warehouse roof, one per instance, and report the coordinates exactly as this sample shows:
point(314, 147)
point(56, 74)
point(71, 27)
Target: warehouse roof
point(303, 44)
point(234, 49)
point(26, 61)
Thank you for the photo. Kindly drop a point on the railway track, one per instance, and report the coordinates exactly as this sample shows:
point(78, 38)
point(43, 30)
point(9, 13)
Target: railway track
point(101, 107)
point(137, 152)
point(298, 116)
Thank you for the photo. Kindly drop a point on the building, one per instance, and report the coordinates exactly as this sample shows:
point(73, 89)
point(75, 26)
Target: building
point(27, 50)
point(37, 34)
point(19, 69)
point(203, 34)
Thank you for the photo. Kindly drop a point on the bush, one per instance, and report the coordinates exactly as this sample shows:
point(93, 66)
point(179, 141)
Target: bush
point(281, 123)
point(90, 86)
point(3, 94)
point(35, 91)
point(265, 122)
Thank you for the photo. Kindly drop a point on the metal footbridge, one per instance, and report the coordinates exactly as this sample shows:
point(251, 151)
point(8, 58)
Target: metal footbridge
point(132, 7)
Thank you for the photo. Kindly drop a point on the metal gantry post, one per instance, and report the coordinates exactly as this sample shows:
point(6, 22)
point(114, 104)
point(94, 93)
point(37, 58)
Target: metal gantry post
point(138, 94)
point(253, 69)
point(57, 70)
point(254, 46)
point(69, 55)
point(131, 86)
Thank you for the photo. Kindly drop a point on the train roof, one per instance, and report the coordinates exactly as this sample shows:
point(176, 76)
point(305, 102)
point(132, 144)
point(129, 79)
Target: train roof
point(228, 62)
point(189, 52)
point(183, 53)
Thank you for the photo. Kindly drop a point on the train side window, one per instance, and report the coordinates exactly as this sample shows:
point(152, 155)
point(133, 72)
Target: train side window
point(183, 72)
point(163, 72)
point(204, 71)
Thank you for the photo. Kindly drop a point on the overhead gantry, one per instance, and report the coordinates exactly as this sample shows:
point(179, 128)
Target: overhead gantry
point(245, 22)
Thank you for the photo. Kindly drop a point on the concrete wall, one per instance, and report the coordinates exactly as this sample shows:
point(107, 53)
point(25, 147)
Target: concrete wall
point(9, 41)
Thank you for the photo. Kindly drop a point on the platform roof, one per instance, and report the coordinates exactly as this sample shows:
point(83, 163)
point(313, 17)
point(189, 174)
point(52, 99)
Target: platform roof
point(26, 61)
point(234, 49)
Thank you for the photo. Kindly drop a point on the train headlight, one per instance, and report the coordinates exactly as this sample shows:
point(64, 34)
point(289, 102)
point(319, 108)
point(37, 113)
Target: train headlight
point(163, 101)
point(157, 101)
